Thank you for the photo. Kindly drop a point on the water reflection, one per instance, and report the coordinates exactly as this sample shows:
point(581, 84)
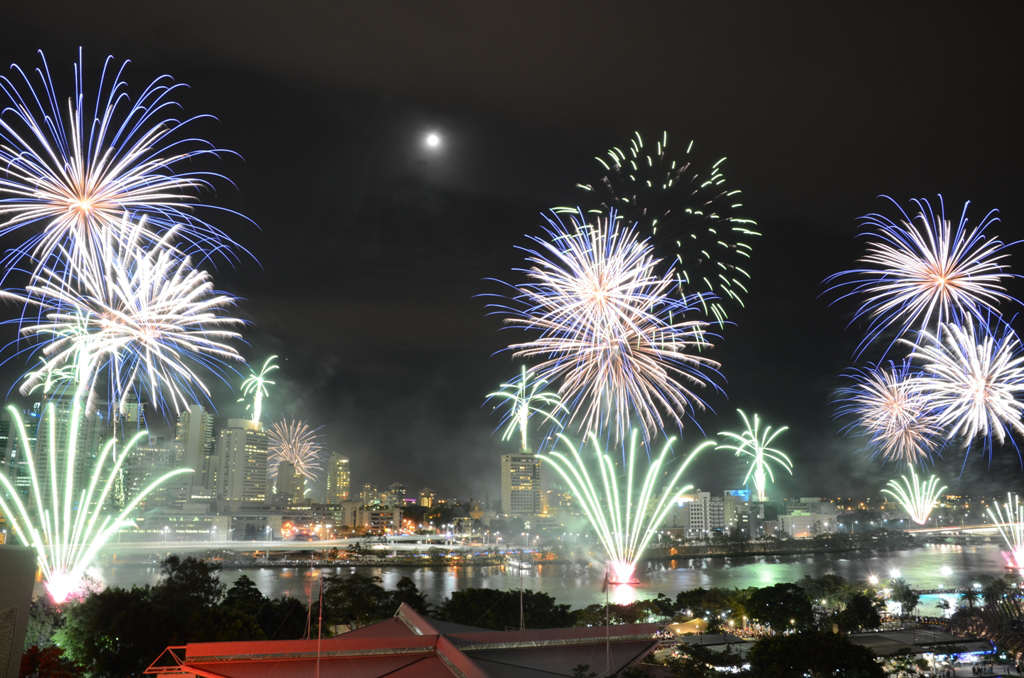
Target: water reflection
point(930, 567)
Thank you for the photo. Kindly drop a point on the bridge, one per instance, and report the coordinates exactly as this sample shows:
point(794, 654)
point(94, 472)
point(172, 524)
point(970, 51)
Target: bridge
point(986, 528)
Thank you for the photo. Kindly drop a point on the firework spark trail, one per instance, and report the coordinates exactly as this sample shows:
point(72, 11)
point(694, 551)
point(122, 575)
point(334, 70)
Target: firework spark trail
point(256, 385)
point(756, 443)
point(885, 404)
point(140, 314)
point(75, 170)
point(294, 442)
point(973, 382)
point(67, 526)
point(609, 332)
point(526, 397)
point(692, 209)
point(624, 517)
point(1009, 520)
point(920, 272)
point(917, 496)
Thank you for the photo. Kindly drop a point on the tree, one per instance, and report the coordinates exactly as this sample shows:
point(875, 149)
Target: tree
point(44, 618)
point(244, 597)
point(47, 662)
point(861, 612)
point(493, 609)
point(112, 633)
point(782, 606)
point(355, 600)
point(994, 589)
point(406, 592)
point(970, 596)
point(905, 596)
point(191, 578)
point(282, 619)
point(815, 652)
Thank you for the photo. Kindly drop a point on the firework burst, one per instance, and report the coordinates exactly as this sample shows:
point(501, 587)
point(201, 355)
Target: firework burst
point(692, 210)
point(64, 524)
point(1009, 520)
point(142, 315)
point(974, 379)
point(72, 166)
point(756, 443)
point(294, 442)
point(256, 385)
point(624, 516)
point(920, 272)
point(609, 332)
point(917, 496)
point(886, 405)
point(525, 398)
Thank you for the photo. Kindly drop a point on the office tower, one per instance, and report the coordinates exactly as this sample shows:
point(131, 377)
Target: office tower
point(195, 433)
point(520, 484)
point(339, 480)
point(368, 495)
point(395, 494)
point(153, 456)
point(240, 459)
point(427, 497)
point(289, 486)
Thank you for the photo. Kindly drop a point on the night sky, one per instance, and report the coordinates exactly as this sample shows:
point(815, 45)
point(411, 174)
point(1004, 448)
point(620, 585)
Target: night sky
point(374, 252)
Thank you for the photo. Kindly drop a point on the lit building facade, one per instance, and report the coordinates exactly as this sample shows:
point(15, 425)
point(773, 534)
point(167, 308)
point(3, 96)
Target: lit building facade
point(520, 484)
point(194, 431)
point(339, 479)
point(241, 462)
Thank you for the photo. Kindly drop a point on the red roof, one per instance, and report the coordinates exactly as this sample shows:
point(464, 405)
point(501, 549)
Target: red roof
point(410, 645)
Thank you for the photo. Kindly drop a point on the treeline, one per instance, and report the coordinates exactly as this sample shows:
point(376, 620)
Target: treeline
point(118, 632)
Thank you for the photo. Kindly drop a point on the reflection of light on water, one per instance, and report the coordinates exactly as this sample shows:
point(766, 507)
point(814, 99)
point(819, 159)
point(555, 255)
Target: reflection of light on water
point(622, 594)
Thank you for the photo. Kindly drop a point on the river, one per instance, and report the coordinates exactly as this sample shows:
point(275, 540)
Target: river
point(932, 566)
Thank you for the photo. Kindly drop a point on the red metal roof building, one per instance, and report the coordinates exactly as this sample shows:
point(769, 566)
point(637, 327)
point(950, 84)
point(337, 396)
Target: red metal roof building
point(410, 645)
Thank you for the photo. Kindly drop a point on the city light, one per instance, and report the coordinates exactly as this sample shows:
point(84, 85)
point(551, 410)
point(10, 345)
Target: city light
point(432, 140)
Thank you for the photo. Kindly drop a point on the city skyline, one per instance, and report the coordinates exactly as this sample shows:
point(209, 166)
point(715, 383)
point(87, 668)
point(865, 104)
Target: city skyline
point(348, 357)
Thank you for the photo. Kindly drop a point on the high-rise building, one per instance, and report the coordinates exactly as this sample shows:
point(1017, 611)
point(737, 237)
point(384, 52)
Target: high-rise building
point(520, 484)
point(195, 433)
point(289, 485)
point(152, 457)
point(368, 494)
point(240, 458)
point(94, 430)
point(427, 497)
point(395, 494)
point(338, 479)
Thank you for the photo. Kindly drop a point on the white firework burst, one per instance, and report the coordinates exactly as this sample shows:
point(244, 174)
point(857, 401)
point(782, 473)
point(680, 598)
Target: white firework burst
point(921, 272)
point(70, 166)
point(294, 442)
point(609, 331)
point(887, 405)
point(974, 379)
point(139, 313)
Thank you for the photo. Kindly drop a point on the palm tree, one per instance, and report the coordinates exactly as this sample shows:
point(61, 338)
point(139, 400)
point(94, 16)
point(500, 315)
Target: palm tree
point(970, 596)
point(943, 604)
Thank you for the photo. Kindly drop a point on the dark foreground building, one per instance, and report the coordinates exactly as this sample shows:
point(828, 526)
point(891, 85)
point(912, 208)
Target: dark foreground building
point(410, 645)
